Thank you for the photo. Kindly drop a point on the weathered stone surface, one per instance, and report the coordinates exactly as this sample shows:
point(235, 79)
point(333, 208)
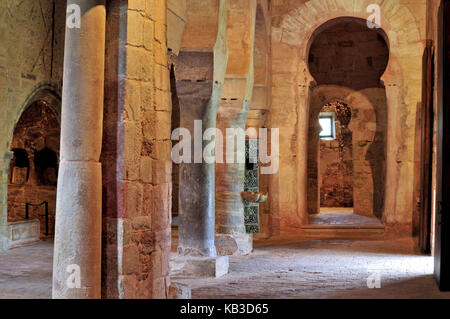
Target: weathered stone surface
point(179, 291)
point(293, 25)
point(270, 62)
point(238, 244)
point(189, 266)
point(136, 150)
point(23, 232)
point(78, 208)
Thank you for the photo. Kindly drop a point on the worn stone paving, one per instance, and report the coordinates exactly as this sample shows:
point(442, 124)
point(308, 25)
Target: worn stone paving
point(325, 269)
point(342, 216)
point(26, 272)
point(301, 269)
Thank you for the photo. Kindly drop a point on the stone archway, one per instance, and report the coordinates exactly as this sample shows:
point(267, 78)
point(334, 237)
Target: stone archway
point(338, 152)
point(291, 94)
point(345, 55)
point(44, 96)
point(369, 130)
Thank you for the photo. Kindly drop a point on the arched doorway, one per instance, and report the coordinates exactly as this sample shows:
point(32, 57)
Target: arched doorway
point(335, 156)
point(347, 161)
point(33, 172)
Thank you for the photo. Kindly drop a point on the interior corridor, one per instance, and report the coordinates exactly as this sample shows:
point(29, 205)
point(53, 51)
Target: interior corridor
point(342, 216)
point(275, 269)
point(323, 269)
point(242, 148)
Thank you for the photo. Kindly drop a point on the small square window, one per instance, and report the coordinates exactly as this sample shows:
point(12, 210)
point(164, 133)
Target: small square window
point(327, 126)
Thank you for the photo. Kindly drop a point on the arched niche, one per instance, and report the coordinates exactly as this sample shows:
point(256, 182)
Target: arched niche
point(368, 127)
point(33, 178)
point(345, 52)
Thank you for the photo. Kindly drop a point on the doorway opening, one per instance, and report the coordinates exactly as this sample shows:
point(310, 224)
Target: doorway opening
point(33, 173)
point(347, 125)
point(334, 160)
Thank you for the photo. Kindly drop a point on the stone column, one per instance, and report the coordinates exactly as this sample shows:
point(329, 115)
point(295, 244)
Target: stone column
point(233, 113)
point(232, 237)
point(304, 93)
point(77, 252)
point(4, 170)
point(196, 199)
point(195, 90)
point(392, 171)
point(199, 74)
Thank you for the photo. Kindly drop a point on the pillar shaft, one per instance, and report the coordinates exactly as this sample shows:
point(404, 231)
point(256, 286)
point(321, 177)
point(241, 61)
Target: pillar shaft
point(392, 174)
point(231, 176)
point(231, 235)
point(77, 252)
point(4, 170)
point(194, 81)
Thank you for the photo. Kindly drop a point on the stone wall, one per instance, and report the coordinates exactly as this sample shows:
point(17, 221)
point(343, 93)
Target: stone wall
point(31, 179)
point(31, 60)
point(136, 152)
point(336, 161)
point(293, 30)
point(347, 53)
point(368, 129)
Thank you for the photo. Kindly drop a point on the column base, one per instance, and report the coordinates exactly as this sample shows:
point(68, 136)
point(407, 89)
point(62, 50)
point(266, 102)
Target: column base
point(194, 267)
point(241, 244)
point(179, 291)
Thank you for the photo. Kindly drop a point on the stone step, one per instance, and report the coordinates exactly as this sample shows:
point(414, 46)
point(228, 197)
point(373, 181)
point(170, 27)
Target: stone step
point(343, 231)
point(353, 226)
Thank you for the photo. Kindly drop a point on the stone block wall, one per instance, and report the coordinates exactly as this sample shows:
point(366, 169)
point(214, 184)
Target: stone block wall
point(136, 152)
point(31, 62)
point(366, 163)
point(36, 132)
point(293, 25)
point(348, 54)
point(336, 163)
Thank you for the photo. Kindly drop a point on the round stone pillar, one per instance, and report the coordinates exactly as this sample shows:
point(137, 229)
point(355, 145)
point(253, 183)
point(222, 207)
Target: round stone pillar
point(77, 252)
point(195, 89)
point(231, 235)
point(4, 171)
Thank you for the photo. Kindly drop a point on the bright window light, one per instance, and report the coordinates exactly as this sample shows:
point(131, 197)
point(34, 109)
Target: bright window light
point(326, 121)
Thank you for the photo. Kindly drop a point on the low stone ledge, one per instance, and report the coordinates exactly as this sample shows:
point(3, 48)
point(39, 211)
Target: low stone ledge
point(197, 267)
point(22, 232)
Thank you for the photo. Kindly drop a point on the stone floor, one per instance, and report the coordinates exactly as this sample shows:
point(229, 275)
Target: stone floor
point(301, 269)
point(342, 216)
point(26, 272)
point(324, 269)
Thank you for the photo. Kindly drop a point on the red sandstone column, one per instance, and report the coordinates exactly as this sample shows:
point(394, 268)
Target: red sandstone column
point(77, 252)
